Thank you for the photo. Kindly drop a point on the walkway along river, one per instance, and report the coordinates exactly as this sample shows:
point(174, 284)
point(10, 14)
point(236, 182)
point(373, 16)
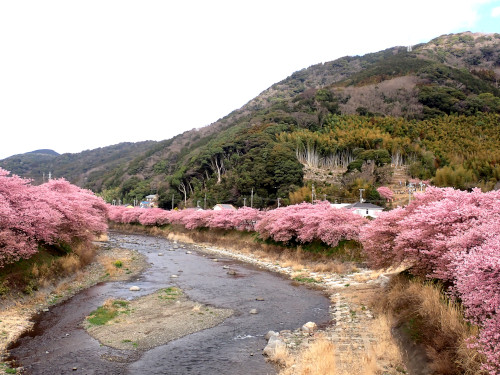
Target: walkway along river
point(59, 344)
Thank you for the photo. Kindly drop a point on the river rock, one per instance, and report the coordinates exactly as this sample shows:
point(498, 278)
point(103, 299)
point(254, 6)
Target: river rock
point(270, 334)
point(188, 252)
point(383, 280)
point(259, 298)
point(225, 267)
point(231, 272)
point(309, 327)
point(273, 345)
point(174, 276)
point(135, 288)
point(215, 260)
point(160, 254)
point(253, 311)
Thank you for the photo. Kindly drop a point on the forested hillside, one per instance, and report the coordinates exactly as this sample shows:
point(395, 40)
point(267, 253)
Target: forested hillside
point(433, 110)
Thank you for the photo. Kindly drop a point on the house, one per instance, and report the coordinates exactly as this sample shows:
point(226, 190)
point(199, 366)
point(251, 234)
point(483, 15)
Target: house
point(150, 201)
point(219, 207)
point(365, 209)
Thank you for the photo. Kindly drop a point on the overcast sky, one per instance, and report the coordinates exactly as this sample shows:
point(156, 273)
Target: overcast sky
point(77, 75)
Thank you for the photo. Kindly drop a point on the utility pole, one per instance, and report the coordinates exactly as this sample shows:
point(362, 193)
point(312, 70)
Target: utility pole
point(313, 193)
point(361, 195)
point(172, 201)
point(43, 178)
point(205, 202)
point(410, 191)
point(324, 196)
point(244, 202)
point(279, 202)
point(251, 199)
point(198, 204)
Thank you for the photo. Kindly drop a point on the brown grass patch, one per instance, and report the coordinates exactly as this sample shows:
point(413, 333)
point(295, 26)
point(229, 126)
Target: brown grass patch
point(385, 350)
point(317, 359)
point(422, 312)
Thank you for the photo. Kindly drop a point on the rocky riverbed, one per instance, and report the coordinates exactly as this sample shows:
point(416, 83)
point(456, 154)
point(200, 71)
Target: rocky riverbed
point(210, 285)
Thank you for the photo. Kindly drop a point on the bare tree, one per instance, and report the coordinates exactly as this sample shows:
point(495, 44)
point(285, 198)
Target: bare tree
point(182, 189)
point(217, 164)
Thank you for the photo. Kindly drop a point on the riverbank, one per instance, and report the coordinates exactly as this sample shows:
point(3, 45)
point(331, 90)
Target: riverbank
point(17, 311)
point(362, 341)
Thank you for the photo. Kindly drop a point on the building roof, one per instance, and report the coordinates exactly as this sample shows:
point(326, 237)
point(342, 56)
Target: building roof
point(364, 206)
point(151, 196)
point(225, 206)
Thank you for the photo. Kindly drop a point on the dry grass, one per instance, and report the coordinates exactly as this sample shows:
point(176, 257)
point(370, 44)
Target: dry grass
point(317, 359)
point(425, 315)
point(282, 357)
point(68, 264)
point(102, 238)
point(385, 350)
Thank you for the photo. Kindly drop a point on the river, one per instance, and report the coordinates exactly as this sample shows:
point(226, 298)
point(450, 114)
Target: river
point(59, 345)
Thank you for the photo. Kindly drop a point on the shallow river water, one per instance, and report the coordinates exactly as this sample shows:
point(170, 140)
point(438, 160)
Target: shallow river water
point(58, 344)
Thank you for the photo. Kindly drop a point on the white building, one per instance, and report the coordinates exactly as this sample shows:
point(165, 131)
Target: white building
point(219, 207)
point(365, 209)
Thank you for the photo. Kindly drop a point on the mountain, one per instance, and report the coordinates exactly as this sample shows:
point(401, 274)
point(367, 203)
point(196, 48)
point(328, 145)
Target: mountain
point(77, 168)
point(433, 108)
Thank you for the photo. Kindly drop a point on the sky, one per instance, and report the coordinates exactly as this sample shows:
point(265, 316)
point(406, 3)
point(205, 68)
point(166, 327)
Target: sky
point(78, 75)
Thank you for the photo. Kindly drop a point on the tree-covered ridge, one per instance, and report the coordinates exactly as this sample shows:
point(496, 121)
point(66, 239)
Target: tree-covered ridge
point(84, 168)
point(442, 145)
point(414, 99)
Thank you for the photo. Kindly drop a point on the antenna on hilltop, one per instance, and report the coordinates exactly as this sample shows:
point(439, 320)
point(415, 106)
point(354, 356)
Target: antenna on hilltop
point(409, 48)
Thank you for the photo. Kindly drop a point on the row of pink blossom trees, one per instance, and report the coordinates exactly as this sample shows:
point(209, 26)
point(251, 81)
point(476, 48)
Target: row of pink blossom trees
point(56, 212)
point(302, 223)
point(443, 234)
point(453, 236)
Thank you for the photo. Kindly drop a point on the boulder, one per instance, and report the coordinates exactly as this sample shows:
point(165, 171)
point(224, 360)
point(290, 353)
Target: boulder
point(309, 327)
point(383, 280)
point(273, 345)
point(135, 288)
point(270, 334)
point(253, 311)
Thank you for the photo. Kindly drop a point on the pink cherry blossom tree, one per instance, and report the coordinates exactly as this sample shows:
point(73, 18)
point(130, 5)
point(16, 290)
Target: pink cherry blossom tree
point(450, 235)
point(51, 213)
point(386, 193)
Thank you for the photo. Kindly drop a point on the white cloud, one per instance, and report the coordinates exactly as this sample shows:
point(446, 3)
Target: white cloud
point(495, 12)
